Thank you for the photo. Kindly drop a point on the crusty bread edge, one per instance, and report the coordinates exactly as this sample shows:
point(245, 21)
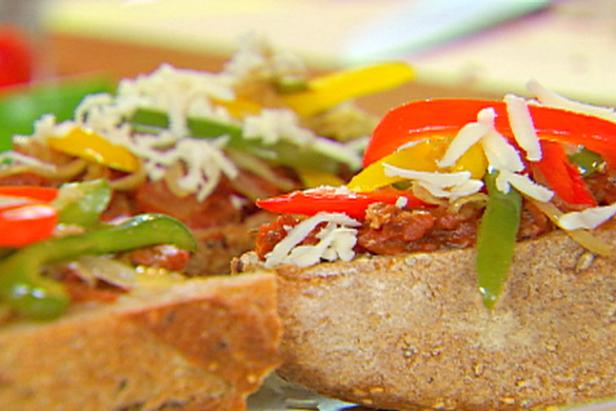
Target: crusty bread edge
point(410, 331)
point(203, 344)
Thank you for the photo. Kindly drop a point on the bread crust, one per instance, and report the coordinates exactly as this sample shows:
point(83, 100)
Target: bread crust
point(203, 344)
point(410, 331)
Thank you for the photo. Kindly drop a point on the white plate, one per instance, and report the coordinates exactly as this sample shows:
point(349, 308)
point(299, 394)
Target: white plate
point(279, 395)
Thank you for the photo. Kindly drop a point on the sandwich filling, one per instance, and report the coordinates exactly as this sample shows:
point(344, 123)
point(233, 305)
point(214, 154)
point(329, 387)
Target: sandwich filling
point(446, 174)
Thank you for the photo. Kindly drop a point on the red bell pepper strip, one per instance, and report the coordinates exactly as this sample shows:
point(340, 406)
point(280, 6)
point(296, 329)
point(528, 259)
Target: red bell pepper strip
point(45, 194)
point(27, 223)
point(334, 200)
point(562, 176)
point(29, 218)
point(415, 120)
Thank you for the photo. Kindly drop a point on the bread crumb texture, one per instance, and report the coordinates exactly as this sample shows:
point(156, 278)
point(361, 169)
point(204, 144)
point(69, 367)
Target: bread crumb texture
point(199, 345)
point(410, 332)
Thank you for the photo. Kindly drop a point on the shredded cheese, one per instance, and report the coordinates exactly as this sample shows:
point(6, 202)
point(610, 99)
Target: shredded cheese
point(552, 99)
point(522, 126)
point(467, 137)
point(523, 184)
point(589, 218)
point(337, 240)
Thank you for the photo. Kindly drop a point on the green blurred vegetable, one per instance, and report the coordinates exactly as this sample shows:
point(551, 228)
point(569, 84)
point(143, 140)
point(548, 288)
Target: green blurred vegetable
point(82, 203)
point(324, 155)
point(496, 240)
point(20, 108)
point(587, 161)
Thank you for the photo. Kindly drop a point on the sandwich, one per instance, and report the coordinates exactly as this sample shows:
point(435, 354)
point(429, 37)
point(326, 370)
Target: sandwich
point(202, 146)
point(469, 265)
point(100, 316)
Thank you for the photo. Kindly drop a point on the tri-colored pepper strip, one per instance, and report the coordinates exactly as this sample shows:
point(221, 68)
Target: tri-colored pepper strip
point(562, 176)
point(415, 120)
point(23, 287)
point(334, 200)
point(330, 90)
point(90, 146)
point(496, 239)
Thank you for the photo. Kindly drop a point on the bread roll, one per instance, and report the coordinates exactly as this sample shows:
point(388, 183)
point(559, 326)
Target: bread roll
point(202, 344)
point(410, 331)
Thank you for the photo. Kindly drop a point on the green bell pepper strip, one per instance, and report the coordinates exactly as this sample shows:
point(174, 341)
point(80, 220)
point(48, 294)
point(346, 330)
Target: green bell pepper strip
point(23, 288)
point(82, 203)
point(496, 240)
point(587, 162)
point(21, 108)
point(325, 157)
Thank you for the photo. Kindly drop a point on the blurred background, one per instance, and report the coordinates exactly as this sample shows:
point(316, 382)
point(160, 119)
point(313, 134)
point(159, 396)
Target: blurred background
point(476, 48)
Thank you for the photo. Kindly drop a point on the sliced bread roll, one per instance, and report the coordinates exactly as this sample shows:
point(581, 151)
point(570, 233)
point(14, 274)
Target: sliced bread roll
point(201, 344)
point(410, 331)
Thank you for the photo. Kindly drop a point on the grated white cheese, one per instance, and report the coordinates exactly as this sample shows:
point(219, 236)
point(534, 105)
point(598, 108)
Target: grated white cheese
point(589, 218)
point(401, 202)
point(337, 241)
point(442, 180)
point(552, 99)
point(442, 185)
point(273, 125)
point(501, 155)
point(523, 184)
point(467, 137)
point(522, 126)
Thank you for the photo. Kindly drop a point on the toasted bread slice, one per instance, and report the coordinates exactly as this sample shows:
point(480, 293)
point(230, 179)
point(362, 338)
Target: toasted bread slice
point(410, 331)
point(202, 344)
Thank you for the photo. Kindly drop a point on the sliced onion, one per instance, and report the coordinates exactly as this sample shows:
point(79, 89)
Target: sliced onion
point(425, 196)
point(173, 174)
point(114, 272)
point(480, 199)
point(583, 237)
point(260, 168)
point(65, 172)
point(130, 181)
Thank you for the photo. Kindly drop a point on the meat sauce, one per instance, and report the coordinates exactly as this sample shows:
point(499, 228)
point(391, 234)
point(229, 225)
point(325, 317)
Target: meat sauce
point(389, 230)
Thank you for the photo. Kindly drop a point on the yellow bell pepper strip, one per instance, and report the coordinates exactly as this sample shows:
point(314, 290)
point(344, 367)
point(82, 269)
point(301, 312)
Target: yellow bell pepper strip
point(281, 152)
point(422, 156)
point(330, 90)
point(24, 289)
point(496, 239)
point(416, 120)
point(90, 146)
point(311, 178)
point(239, 107)
point(334, 200)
